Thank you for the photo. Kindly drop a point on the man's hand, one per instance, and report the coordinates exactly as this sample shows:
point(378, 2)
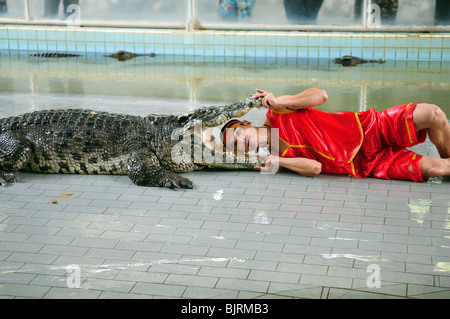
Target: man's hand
point(269, 100)
point(271, 164)
point(303, 100)
point(303, 166)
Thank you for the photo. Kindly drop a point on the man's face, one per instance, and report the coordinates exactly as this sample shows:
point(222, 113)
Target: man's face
point(244, 138)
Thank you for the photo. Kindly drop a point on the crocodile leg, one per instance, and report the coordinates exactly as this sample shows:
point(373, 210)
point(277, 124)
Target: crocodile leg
point(15, 151)
point(144, 170)
point(6, 177)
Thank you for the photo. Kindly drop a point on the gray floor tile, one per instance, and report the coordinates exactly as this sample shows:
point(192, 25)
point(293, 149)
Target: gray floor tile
point(240, 235)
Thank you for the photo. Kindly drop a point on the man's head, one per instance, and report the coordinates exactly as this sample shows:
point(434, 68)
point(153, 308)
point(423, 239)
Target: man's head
point(242, 136)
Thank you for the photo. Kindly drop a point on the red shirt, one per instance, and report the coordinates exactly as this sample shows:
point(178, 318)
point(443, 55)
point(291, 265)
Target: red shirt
point(333, 139)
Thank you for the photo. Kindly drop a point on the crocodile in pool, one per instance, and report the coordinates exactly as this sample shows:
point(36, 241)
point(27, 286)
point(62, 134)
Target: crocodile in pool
point(348, 60)
point(125, 55)
point(55, 55)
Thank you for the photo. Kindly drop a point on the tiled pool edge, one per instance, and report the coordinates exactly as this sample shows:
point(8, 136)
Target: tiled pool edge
point(252, 44)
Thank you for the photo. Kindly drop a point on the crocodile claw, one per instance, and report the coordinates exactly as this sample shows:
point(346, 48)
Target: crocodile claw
point(178, 181)
point(6, 177)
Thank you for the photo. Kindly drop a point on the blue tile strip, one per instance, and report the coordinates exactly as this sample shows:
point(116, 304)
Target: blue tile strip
point(252, 44)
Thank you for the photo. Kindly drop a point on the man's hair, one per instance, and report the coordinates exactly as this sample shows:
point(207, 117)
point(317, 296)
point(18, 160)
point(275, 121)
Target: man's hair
point(230, 124)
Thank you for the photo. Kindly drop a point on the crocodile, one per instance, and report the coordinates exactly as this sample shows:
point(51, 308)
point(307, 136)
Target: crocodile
point(125, 55)
point(55, 55)
point(119, 55)
point(348, 60)
point(148, 149)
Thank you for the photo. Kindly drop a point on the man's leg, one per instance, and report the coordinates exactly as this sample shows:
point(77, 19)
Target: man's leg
point(432, 118)
point(434, 167)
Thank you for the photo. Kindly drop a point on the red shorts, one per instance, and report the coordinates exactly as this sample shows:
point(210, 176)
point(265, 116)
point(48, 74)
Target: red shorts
point(387, 134)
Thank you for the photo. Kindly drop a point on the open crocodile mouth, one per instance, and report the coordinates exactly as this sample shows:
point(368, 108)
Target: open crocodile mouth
point(213, 116)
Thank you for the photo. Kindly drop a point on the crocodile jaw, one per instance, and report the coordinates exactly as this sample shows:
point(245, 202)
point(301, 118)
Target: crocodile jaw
point(217, 115)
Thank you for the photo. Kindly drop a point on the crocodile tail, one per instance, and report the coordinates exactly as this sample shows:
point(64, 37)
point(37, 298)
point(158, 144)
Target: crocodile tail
point(55, 55)
point(373, 61)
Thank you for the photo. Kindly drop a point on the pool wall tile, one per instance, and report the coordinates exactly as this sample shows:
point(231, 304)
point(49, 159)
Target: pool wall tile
point(335, 41)
point(445, 55)
point(23, 45)
point(379, 42)
point(400, 54)
point(252, 44)
point(446, 43)
point(324, 52)
point(302, 52)
point(357, 51)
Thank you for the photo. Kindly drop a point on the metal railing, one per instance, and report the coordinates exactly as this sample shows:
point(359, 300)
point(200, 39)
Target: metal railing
point(192, 23)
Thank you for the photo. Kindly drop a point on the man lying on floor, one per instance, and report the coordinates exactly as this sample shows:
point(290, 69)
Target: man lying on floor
point(364, 144)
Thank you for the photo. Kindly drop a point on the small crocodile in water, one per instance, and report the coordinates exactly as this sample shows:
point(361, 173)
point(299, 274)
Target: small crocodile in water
point(147, 149)
point(119, 55)
point(125, 55)
point(348, 60)
point(55, 55)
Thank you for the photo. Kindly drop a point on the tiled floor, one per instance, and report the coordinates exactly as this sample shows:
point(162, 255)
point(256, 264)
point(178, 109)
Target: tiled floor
point(238, 235)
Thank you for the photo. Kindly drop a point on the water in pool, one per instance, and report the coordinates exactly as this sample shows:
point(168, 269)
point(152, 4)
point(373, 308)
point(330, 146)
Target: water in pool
point(176, 84)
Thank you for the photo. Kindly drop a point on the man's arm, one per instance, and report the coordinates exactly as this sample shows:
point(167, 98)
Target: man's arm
point(306, 99)
point(304, 166)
